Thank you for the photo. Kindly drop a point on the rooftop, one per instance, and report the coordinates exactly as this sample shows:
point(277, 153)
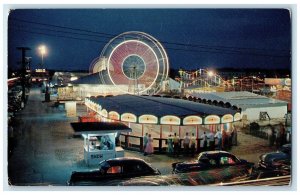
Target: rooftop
point(99, 127)
point(158, 106)
point(241, 99)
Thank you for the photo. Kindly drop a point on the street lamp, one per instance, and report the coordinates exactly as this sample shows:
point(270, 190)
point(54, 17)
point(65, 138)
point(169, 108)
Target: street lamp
point(43, 51)
point(210, 75)
point(253, 77)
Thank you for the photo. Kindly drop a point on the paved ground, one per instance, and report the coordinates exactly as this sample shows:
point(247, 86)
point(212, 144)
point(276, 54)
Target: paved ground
point(46, 153)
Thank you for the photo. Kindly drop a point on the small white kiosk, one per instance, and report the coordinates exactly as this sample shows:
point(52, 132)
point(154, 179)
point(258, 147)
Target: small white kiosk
point(99, 140)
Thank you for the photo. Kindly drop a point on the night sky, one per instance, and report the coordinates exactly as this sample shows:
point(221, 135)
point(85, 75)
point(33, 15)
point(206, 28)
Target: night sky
point(193, 38)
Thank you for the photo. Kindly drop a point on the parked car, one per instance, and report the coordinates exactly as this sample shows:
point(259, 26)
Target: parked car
point(265, 173)
point(113, 169)
point(199, 178)
point(280, 159)
point(212, 160)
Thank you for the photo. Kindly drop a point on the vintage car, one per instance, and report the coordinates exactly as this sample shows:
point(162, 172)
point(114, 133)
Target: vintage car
point(113, 169)
point(199, 178)
point(265, 173)
point(212, 160)
point(280, 159)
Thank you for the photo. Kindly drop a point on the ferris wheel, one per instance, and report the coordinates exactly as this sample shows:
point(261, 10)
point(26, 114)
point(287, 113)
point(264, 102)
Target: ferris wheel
point(136, 63)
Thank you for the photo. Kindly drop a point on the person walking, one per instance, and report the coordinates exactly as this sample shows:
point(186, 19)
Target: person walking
point(234, 136)
point(282, 135)
point(273, 135)
point(229, 139)
point(278, 138)
point(186, 143)
point(176, 145)
point(224, 140)
point(145, 141)
point(204, 141)
point(211, 140)
point(218, 135)
point(193, 145)
point(270, 133)
point(149, 147)
point(170, 145)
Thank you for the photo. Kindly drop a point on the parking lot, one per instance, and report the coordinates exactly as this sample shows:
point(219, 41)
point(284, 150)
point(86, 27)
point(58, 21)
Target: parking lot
point(45, 151)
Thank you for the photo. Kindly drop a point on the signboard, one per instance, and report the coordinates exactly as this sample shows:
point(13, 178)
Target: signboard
point(192, 120)
point(237, 116)
point(170, 120)
point(227, 118)
point(211, 119)
point(114, 115)
point(148, 119)
point(96, 156)
point(128, 117)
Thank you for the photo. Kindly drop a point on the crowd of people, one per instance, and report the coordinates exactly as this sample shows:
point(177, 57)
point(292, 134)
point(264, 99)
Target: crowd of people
point(221, 140)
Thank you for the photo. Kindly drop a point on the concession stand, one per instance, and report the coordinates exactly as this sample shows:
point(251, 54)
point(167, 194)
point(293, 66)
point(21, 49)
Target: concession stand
point(100, 140)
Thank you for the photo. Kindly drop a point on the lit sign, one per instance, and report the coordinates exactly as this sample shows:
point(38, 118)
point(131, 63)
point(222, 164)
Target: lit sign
point(114, 115)
point(40, 70)
point(170, 120)
point(192, 120)
point(212, 119)
point(103, 113)
point(237, 116)
point(148, 119)
point(227, 118)
point(128, 117)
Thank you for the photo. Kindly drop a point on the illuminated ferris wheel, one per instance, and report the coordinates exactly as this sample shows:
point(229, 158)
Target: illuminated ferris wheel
point(136, 63)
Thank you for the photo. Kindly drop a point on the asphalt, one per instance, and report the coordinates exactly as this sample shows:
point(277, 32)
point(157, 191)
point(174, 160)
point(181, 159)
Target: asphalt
point(45, 151)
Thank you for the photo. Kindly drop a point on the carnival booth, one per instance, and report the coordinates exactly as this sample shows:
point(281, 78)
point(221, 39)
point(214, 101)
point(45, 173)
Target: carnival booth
point(100, 140)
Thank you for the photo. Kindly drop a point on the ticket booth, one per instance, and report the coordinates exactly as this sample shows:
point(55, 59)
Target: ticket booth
point(100, 140)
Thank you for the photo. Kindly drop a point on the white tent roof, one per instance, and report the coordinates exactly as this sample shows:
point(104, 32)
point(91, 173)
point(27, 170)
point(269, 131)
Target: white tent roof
point(242, 99)
point(167, 110)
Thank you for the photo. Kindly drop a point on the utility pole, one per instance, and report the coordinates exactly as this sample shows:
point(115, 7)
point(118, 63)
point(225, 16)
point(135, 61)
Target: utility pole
point(23, 70)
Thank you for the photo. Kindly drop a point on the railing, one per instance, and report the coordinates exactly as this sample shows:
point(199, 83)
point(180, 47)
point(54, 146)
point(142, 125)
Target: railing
point(131, 142)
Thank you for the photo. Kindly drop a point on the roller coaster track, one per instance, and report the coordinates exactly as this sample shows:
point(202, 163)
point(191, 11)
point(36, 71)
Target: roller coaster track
point(201, 78)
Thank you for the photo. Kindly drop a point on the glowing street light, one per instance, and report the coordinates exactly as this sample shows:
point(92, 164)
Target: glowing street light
point(210, 73)
point(43, 51)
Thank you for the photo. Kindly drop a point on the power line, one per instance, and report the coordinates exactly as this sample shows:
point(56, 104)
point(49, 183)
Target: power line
point(169, 48)
point(44, 24)
point(47, 29)
point(107, 35)
point(47, 34)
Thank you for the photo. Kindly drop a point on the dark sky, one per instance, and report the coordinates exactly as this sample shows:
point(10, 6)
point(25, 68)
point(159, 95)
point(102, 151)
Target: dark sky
point(235, 38)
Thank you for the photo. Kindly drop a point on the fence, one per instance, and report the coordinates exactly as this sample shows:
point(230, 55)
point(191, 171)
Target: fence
point(131, 142)
point(262, 131)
